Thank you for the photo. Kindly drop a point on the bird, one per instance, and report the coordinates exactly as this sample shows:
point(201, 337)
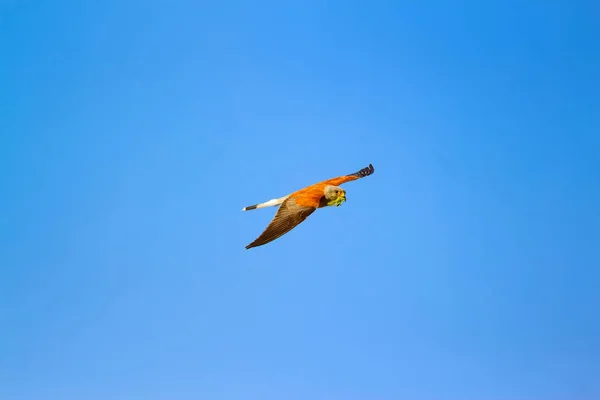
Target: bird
point(297, 206)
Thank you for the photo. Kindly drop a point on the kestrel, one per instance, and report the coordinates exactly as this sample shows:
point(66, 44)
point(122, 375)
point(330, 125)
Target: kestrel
point(297, 206)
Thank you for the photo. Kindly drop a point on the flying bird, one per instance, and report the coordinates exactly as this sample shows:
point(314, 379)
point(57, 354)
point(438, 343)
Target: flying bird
point(297, 206)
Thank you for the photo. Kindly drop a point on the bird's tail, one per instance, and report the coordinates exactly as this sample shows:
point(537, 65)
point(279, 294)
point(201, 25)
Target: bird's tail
point(270, 203)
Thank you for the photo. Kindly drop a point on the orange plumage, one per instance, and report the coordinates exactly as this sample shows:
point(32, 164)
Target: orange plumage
point(310, 196)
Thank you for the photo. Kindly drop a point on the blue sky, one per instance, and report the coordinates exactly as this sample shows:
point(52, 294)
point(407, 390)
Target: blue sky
point(133, 132)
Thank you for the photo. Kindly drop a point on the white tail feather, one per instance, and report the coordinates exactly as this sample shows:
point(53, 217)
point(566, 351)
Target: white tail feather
point(270, 203)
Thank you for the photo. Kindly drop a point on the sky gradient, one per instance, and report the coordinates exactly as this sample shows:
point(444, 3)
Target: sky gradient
point(465, 267)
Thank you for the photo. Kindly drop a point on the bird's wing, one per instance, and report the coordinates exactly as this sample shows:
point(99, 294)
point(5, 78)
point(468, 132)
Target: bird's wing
point(350, 177)
point(288, 216)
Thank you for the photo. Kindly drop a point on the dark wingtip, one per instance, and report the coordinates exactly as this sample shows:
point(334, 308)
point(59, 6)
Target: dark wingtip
point(365, 171)
point(250, 207)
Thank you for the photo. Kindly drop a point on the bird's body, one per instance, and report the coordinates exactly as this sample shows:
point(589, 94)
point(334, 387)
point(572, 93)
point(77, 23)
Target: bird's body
point(297, 206)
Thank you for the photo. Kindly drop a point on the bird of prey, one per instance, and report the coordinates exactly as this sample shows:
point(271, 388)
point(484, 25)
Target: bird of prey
point(297, 206)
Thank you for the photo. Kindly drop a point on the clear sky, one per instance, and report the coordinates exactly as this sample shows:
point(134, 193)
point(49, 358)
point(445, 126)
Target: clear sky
point(133, 133)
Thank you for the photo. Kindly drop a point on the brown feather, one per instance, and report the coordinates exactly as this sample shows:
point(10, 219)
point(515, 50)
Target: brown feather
point(288, 216)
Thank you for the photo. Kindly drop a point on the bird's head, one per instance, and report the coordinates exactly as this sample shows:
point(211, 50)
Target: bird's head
point(335, 195)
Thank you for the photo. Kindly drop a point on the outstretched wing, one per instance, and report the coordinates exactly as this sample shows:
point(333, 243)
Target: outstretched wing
point(351, 177)
point(288, 216)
